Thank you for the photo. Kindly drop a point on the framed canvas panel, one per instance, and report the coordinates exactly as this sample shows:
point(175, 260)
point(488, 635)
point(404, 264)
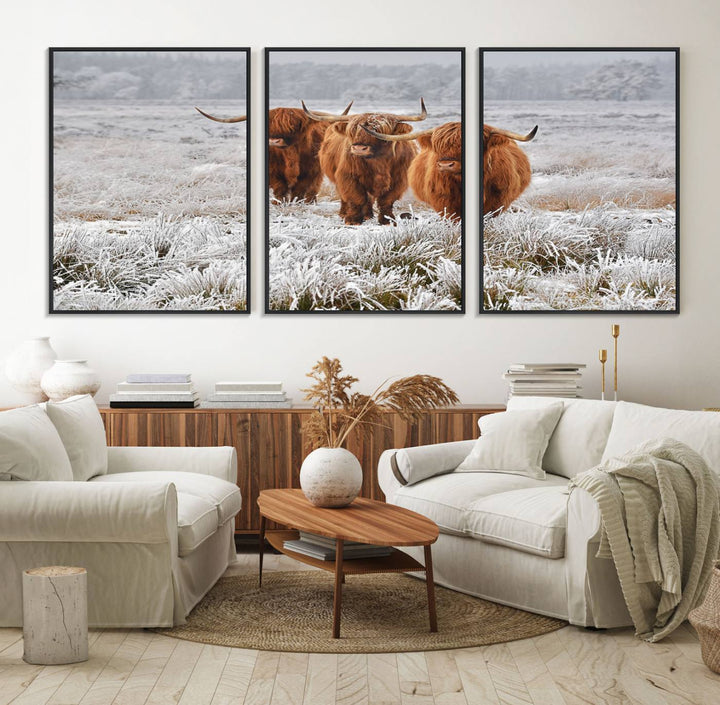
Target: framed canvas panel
point(364, 180)
point(580, 192)
point(149, 190)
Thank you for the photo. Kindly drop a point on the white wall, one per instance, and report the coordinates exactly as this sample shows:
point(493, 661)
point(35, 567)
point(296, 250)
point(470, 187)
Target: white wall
point(665, 360)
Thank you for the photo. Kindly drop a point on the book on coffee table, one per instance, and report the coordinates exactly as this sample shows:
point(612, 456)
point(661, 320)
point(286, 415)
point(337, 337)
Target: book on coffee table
point(327, 553)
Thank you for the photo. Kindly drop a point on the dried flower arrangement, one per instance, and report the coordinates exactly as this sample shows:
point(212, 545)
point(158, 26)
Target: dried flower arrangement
point(338, 410)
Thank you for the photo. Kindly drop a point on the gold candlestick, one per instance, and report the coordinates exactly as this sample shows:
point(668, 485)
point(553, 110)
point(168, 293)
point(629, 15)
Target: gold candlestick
point(615, 330)
point(603, 360)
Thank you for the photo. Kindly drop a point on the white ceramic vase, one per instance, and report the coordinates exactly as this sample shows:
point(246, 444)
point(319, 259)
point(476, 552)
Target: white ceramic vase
point(66, 378)
point(25, 366)
point(331, 477)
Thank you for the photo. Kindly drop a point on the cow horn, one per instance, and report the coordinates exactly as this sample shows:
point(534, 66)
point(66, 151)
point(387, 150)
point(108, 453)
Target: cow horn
point(398, 138)
point(515, 136)
point(240, 118)
point(327, 117)
point(414, 118)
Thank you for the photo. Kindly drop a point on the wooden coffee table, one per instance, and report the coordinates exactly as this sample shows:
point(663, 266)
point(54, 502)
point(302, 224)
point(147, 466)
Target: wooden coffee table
point(365, 520)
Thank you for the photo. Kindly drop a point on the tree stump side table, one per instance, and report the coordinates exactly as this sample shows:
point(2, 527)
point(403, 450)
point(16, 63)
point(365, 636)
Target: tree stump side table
point(55, 624)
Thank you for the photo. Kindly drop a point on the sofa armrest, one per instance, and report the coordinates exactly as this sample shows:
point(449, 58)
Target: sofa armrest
point(88, 512)
point(406, 466)
point(219, 462)
point(583, 520)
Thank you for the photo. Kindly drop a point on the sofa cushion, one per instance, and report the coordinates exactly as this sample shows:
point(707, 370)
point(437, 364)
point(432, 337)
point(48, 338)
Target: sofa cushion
point(446, 499)
point(421, 462)
point(80, 426)
point(532, 520)
point(197, 521)
point(513, 442)
point(580, 437)
point(634, 424)
point(223, 495)
point(30, 447)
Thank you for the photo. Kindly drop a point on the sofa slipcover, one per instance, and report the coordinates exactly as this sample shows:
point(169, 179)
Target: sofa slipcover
point(154, 534)
point(532, 520)
point(448, 499)
point(530, 545)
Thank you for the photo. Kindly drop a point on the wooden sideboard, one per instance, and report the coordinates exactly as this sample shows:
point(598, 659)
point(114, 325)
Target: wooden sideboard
point(270, 443)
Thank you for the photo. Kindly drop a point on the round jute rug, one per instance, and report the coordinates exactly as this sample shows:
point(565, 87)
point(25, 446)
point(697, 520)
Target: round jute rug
point(380, 613)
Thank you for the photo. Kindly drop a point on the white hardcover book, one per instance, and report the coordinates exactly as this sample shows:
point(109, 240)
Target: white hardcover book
point(535, 377)
point(248, 396)
point(246, 404)
point(543, 366)
point(130, 387)
point(160, 396)
point(248, 387)
point(158, 377)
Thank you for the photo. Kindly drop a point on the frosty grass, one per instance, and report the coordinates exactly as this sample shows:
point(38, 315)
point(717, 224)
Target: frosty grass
point(596, 228)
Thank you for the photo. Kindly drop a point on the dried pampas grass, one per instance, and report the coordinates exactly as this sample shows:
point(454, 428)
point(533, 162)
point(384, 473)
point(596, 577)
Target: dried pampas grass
point(338, 410)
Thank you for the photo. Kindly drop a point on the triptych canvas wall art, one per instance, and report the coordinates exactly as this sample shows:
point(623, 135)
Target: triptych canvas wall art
point(149, 198)
point(365, 167)
point(594, 227)
point(355, 219)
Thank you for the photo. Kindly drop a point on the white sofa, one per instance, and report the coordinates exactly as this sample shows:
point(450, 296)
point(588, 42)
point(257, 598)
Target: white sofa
point(154, 527)
point(527, 542)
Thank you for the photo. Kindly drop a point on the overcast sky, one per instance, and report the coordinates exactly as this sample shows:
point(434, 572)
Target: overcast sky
point(374, 58)
point(499, 59)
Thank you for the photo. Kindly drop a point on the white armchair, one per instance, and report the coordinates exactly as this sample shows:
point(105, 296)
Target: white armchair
point(154, 532)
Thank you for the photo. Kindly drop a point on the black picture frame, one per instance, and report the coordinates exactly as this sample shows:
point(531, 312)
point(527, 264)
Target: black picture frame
point(363, 104)
point(178, 79)
point(622, 293)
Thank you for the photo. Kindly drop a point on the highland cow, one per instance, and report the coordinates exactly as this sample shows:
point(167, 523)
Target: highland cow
point(506, 168)
point(435, 174)
point(293, 142)
point(364, 169)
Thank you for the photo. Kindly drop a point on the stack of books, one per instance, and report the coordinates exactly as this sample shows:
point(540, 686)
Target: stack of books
point(247, 395)
point(323, 548)
point(155, 391)
point(545, 379)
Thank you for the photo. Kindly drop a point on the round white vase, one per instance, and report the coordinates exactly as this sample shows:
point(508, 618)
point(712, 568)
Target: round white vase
point(66, 378)
point(331, 477)
point(26, 365)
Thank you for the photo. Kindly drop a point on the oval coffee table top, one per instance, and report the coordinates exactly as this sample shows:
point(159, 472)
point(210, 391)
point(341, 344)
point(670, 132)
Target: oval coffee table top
point(365, 520)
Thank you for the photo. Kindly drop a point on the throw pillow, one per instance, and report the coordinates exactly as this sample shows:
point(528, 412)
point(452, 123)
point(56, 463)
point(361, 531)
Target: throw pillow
point(579, 439)
point(636, 423)
point(513, 442)
point(411, 465)
point(81, 429)
point(30, 447)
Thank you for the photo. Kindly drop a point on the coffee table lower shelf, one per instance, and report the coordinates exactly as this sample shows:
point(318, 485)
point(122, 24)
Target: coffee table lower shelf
point(396, 562)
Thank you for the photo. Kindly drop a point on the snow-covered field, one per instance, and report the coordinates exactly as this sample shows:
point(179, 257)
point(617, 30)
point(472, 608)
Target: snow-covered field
point(316, 262)
point(596, 227)
point(149, 207)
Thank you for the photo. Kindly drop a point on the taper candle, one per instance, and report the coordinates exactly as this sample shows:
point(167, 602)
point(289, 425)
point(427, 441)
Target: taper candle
point(603, 360)
point(615, 330)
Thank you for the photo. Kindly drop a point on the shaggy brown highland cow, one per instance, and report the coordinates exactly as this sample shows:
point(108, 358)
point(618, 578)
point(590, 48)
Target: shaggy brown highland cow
point(435, 174)
point(293, 140)
point(364, 169)
point(506, 168)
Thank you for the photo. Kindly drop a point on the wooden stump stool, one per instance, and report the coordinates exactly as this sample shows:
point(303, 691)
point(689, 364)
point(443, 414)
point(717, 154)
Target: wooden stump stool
point(55, 626)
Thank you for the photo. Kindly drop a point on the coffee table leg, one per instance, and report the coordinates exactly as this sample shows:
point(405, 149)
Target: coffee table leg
point(261, 548)
point(430, 588)
point(337, 598)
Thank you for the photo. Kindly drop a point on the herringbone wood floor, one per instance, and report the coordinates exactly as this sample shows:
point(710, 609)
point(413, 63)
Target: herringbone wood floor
point(568, 666)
